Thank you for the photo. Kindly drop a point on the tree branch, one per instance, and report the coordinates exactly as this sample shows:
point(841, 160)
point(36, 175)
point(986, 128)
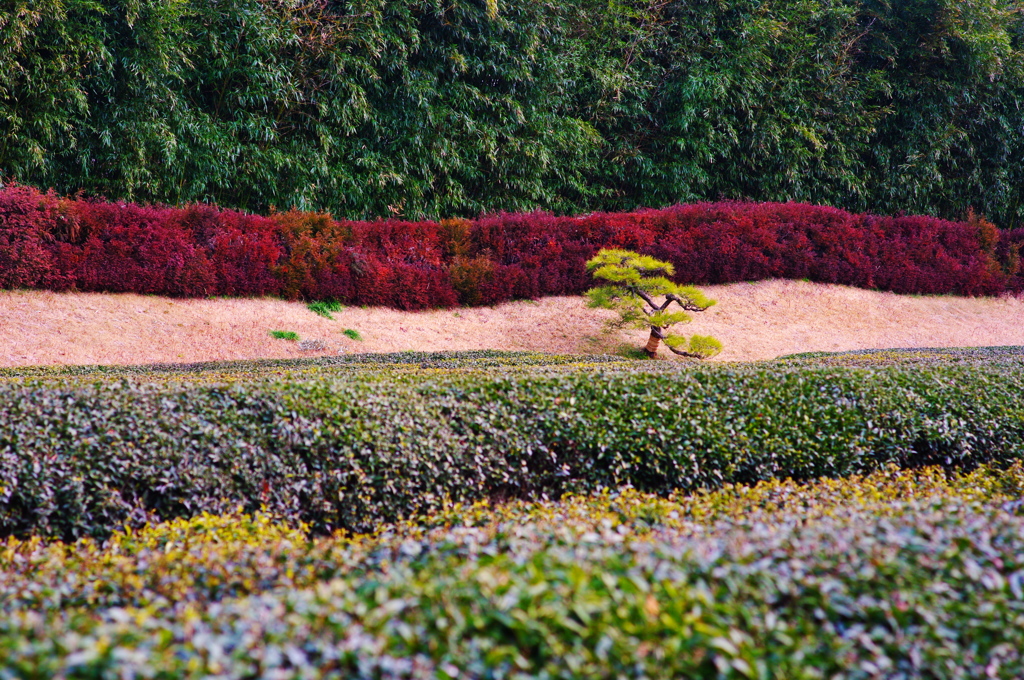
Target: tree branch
point(643, 296)
point(687, 305)
point(682, 353)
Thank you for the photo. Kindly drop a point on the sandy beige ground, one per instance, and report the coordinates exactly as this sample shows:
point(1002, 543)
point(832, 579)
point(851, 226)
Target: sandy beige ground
point(753, 320)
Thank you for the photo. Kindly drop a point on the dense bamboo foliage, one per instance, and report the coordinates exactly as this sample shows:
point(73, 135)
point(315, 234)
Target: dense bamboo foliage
point(424, 108)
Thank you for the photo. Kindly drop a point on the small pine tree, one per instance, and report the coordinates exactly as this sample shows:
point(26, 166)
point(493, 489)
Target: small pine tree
point(635, 282)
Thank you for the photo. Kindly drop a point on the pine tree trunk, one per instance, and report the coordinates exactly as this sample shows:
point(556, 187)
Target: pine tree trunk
point(652, 343)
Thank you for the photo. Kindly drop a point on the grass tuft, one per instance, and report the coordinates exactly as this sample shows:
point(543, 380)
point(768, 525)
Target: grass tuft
point(352, 333)
point(285, 335)
point(324, 307)
point(631, 352)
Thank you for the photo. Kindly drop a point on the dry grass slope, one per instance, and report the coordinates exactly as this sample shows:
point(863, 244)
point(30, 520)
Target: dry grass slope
point(754, 321)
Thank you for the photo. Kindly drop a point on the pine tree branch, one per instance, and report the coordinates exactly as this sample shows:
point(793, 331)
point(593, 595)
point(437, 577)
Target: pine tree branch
point(645, 297)
point(687, 305)
point(682, 353)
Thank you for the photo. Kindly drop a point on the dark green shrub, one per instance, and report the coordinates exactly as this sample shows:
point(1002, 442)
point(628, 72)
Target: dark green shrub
point(358, 449)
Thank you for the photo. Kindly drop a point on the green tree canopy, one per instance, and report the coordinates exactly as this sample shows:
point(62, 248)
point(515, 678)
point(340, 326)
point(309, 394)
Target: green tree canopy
point(635, 284)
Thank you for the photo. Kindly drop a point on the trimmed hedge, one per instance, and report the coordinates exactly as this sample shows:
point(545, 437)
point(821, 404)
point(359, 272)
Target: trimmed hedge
point(181, 562)
point(896, 575)
point(88, 245)
point(304, 368)
point(410, 361)
point(356, 450)
point(912, 356)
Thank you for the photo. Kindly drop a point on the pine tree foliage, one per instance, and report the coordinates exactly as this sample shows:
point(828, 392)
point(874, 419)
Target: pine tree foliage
point(635, 284)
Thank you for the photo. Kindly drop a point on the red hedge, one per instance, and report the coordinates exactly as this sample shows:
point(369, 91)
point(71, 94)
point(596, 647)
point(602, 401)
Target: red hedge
point(47, 241)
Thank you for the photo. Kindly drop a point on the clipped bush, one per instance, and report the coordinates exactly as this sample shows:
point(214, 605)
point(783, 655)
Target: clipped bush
point(141, 249)
point(470, 278)
point(28, 218)
point(49, 242)
point(355, 449)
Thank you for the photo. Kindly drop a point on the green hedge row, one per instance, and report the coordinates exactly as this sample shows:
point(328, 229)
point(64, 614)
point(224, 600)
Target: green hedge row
point(466, 360)
point(838, 581)
point(906, 357)
point(359, 448)
point(254, 369)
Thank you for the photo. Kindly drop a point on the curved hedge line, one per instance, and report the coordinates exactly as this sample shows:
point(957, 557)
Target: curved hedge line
point(72, 244)
point(352, 452)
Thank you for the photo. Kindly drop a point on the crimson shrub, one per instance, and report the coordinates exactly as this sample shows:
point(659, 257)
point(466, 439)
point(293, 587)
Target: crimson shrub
point(27, 219)
point(199, 250)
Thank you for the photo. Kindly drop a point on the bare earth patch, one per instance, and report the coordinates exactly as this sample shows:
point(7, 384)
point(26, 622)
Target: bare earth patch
point(753, 320)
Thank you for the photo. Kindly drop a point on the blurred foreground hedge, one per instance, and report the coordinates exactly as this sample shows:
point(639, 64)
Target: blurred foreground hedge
point(898, 575)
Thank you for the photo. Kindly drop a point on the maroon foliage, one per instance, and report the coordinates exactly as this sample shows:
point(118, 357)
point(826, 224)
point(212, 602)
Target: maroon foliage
point(243, 250)
point(28, 219)
point(1009, 251)
point(401, 265)
point(538, 254)
point(140, 249)
point(50, 242)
